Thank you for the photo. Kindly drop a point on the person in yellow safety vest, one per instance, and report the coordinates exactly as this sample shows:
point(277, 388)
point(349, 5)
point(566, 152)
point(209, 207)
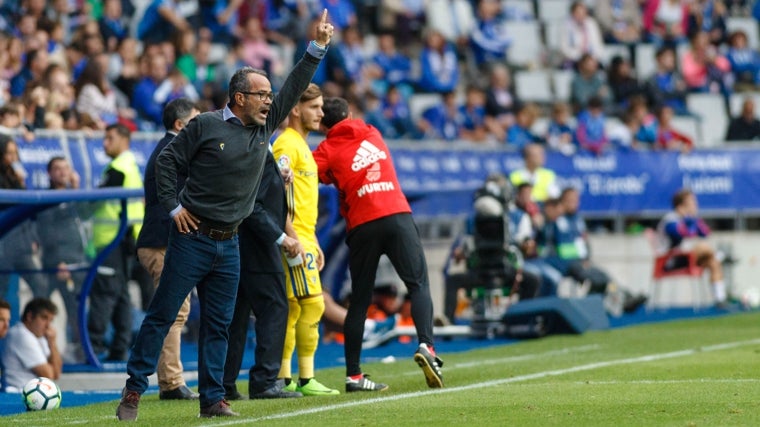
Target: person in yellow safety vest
point(544, 180)
point(109, 297)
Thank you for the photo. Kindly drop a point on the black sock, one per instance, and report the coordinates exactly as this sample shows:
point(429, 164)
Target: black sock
point(303, 381)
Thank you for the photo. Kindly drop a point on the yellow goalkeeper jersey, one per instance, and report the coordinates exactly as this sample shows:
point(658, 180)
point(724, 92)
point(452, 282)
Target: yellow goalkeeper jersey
point(291, 150)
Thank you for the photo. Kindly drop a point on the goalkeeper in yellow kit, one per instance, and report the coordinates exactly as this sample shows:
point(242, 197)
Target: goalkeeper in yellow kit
point(305, 301)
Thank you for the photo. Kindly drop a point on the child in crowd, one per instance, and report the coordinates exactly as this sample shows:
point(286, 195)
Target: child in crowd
point(669, 138)
point(622, 135)
point(473, 114)
point(647, 122)
point(590, 133)
point(559, 135)
point(520, 134)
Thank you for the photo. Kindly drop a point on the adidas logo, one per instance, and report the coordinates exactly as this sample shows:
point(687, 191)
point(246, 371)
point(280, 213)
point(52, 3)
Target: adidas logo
point(366, 155)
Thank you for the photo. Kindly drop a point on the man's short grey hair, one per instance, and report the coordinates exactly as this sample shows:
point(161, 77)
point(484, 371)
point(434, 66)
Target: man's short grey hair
point(239, 81)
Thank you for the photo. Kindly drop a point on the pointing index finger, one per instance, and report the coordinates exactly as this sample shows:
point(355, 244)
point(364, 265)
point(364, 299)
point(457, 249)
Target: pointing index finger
point(324, 16)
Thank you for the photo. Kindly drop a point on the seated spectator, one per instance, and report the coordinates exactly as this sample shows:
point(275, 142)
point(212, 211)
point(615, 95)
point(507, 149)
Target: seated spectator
point(704, 68)
point(622, 136)
point(149, 110)
point(669, 138)
point(621, 80)
point(563, 243)
point(573, 251)
point(256, 50)
point(745, 126)
point(745, 63)
point(35, 63)
point(473, 114)
point(490, 40)
point(501, 101)
point(666, 21)
point(666, 85)
point(124, 68)
point(520, 134)
point(523, 235)
point(442, 121)
point(396, 109)
point(439, 67)
point(590, 132)
point(374, 115)
point(391, 67)
point(160, 20)
point(113, 27)
point(30, 348)
point(708, 16)
point(534, 172)
point(620, 21)
point(11, 120)
point(173, 87)
point(580, 36)
point(560, 133)
point(94, 96)
point(682, 229)
point(347, 61)
point(646, 134)
point(5, 319)
point(185, 44)
point(587, 83)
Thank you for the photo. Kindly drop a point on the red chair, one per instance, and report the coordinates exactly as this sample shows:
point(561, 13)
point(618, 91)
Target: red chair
point(676, 264)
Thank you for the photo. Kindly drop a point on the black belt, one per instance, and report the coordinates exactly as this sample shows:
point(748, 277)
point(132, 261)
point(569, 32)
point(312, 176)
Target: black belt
point(216, 233)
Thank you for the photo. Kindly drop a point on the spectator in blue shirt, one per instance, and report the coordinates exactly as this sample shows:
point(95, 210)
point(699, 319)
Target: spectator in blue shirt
point(520, 134)
point(347, 58)
point(590, 133)
point(560, 134)
point(473, 113)
point(666, 85)
point(490, 39)
point(745, 62)
point(396, 109)
point(35, 63)
point(113, 27)
point(391, 67)
point(149, 111)
point(438, 64)
point(442, 121)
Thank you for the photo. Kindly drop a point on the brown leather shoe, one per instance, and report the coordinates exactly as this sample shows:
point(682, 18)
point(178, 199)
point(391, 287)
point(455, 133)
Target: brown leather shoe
point(127, 410)
point(218, 409)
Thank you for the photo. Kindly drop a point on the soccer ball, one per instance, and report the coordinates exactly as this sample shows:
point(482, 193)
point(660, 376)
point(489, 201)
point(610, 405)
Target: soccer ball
point(41, 394)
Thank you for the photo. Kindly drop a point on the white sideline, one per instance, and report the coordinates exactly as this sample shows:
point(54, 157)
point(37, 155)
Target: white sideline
point(544, 374)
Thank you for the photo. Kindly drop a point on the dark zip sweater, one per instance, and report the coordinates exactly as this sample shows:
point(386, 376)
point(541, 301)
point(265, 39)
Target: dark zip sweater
point(224, 161)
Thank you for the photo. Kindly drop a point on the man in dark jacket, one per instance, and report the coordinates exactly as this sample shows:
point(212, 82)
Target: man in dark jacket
point(151, 248)
point(262, 289)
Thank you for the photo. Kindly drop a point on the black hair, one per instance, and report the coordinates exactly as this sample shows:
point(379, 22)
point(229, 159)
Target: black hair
point(37, 306)
point(177, 109)
point(335, 110)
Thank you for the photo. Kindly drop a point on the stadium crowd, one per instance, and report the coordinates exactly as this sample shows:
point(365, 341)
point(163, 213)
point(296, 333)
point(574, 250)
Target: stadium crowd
point(434, 69)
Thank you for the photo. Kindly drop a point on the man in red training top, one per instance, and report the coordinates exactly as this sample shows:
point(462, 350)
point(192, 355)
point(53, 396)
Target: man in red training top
point(356, 160)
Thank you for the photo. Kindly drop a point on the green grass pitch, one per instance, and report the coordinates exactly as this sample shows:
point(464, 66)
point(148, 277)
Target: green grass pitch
point(703, 372)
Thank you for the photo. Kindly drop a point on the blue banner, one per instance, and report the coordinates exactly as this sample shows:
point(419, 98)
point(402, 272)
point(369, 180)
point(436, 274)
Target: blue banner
point(442, 182)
